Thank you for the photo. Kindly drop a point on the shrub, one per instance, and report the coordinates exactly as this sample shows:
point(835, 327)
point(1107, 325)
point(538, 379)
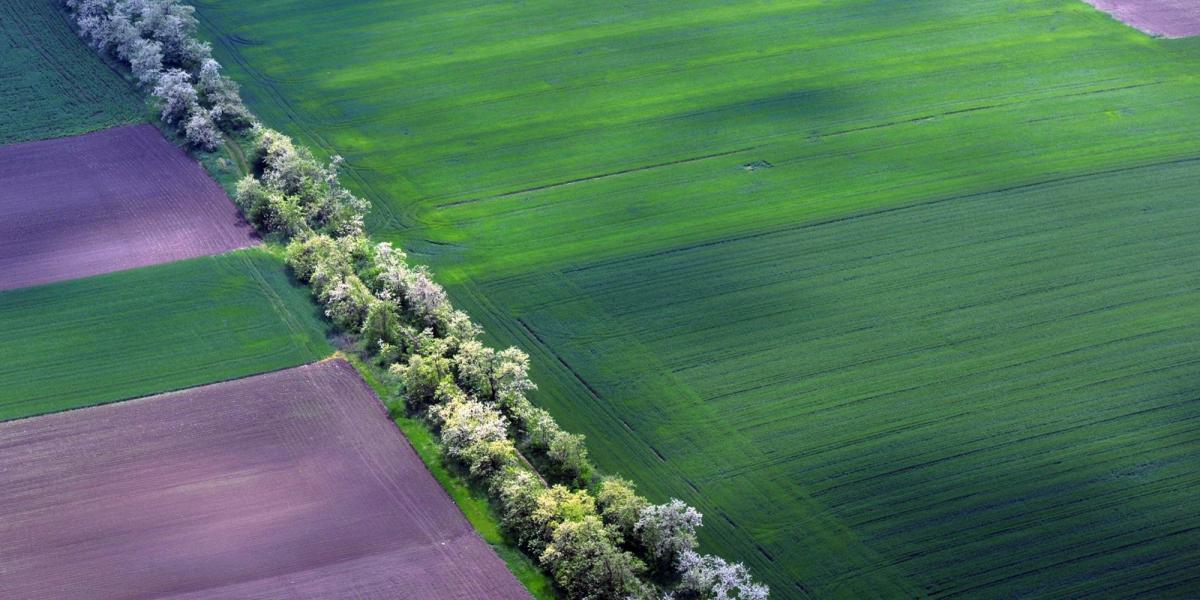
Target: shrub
point(565, 454)
point(568, 457)
point(668, 530)
point(231, 115)
point(314, 197)
point(457, 327)
point(286, 216)
point(200, 131)
point(475, 435)
point(516, 491)
point(539, 427)
point(221, 93)
point(336, 210)
point(383, 328)
point(421, 378)
point(254, 200)
point(423, 299)
point(705, 577)
point(176, 96)
point(346, 301)
point(554, 506)
point(586, 563)
point(282, 167)
point(620, 506)
point(304, 255)
point(145, 61)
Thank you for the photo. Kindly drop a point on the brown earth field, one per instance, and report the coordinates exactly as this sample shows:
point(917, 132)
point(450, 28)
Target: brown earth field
point(1162, 18)
point(292, 484)
point(106, 201)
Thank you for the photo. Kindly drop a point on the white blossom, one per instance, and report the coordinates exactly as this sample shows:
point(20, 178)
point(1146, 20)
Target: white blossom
point(668, 530)
point(175, 91)
point(200, 130)
point(712, 578)
point(145, 61)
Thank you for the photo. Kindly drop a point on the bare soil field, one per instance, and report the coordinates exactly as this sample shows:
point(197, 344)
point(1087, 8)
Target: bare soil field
point(1162, 18)
point(292, 484)
point(107, 201)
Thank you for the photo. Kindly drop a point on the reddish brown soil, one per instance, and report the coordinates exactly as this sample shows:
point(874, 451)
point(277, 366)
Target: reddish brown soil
point(1162, 18)
point(106, 201)
point(292, 484)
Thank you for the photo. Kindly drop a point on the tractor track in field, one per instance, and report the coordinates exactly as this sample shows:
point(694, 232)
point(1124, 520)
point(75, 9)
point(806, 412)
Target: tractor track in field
point(765, 141)
point(571, 182)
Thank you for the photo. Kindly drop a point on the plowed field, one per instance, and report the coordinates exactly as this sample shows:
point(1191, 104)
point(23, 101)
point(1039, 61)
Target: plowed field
point(289, 485)
point(1166, 18)
point(107, 201)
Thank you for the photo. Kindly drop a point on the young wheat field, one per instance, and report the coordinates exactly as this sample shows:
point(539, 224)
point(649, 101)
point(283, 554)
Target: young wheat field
point(901, 294)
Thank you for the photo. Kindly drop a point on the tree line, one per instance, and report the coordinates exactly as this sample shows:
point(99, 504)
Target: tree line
point(592, 533)
point(157, 40)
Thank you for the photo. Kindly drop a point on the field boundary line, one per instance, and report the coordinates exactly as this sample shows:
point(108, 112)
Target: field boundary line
point(165, 392)
point(883, 211)
point(258, 244)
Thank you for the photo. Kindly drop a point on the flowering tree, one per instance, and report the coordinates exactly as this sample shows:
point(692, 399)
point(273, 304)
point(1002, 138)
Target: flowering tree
point(475, 434)
point(222, 94)
point(667, 530)
point(587, 564)
point(176, 95)
point(200, 130)
point(709, 577)
point(620, 506)
point(491, 375)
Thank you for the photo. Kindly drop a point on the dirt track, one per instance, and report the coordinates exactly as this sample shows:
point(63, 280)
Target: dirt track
point(1163, 18)
point(106, 201)
point(287, 485)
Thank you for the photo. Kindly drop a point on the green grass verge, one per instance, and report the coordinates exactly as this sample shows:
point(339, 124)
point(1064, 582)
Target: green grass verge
point(150, 330)
point(898, 292)
point(53, 85)
point(472, 502)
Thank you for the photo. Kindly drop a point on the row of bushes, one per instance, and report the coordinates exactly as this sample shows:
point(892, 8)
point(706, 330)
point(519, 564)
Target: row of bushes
point(595, 535)
point(156, 40)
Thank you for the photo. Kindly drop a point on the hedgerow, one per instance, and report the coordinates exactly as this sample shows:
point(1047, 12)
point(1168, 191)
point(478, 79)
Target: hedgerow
point(157, 40)
point(593, 534)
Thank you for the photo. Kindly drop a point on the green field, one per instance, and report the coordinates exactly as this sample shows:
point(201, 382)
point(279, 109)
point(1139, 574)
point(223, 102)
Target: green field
point(901, 294)
point(158, 328)
point(51, 85)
